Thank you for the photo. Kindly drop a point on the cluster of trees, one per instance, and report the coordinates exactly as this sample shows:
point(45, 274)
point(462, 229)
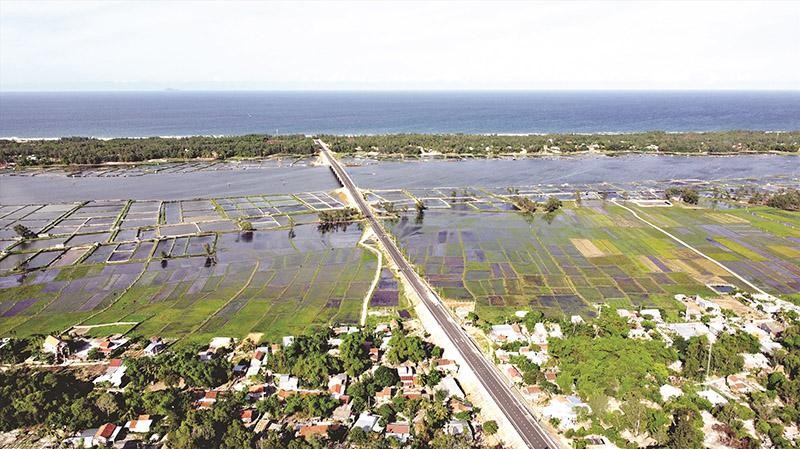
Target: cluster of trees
point(171, 367)
point(686, 194)
point(711, 142)
point(726, 354)
point(410, 347)
point(530, 206)
point(304, 406)
point(788, 199)
point(29, 398)
point(88, 151)
point(772, 416)
point(307, 359)
point(330, 220)
point(524, 204)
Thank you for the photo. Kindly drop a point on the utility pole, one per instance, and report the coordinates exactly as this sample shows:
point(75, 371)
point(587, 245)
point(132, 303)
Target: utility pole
point(708, 363)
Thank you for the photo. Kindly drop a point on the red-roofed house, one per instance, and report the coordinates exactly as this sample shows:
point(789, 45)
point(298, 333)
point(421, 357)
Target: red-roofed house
point(107, 433)
point(320, 430)
point(400, 431)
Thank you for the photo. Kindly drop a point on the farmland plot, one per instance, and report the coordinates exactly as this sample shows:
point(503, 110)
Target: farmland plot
point(760, 244)
point(564, 265)
point(262, 281)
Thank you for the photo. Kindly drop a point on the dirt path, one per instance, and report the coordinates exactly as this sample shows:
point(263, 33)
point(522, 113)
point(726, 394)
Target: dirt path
point(368, 296)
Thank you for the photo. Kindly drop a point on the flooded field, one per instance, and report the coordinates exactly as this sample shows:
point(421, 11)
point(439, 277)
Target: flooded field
point(170, 255)
point(52, 187)
point(572, 169)
point(181, 268)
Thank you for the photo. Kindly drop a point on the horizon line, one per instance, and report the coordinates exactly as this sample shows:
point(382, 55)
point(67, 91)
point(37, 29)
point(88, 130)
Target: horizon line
point(402, 90)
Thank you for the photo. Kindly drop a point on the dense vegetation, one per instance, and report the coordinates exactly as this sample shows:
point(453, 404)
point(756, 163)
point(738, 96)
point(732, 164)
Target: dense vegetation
point(788, 199)
point(82, 150)
point(601, 361)
point(715, 143)
point(686, 194)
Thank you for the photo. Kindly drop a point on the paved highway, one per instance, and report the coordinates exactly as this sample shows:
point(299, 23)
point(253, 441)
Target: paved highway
point(509, 403)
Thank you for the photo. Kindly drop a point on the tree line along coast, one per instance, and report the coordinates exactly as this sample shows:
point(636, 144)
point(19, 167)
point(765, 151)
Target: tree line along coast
point(88, 151)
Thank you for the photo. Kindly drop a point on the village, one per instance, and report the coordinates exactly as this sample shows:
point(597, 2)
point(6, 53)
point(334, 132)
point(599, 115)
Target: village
point(730, 390)
point(385, 383)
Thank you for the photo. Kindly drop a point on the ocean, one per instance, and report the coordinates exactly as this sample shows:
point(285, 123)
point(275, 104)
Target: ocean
point(176, 113)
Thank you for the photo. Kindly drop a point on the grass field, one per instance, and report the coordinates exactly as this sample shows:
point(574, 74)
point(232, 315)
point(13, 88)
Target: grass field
point(597, 253)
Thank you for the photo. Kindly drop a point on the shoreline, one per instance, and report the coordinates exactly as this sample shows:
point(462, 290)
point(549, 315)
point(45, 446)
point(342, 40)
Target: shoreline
point(379, 134)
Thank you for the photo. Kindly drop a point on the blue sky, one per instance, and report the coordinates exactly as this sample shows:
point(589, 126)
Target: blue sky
point(405, 45)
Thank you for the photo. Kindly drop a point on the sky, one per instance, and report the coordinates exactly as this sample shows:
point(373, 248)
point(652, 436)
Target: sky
point(66, 45)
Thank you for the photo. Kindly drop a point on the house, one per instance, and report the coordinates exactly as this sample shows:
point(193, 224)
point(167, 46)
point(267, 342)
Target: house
point(687, 330)
point(287, 341)
point(624, 313)
point(651, 314)
point(107, 433)
point(366, 422)
point(54, 345)
point(109, 345)
point(399, 431)
point(337, 385)
point(458, 427)
point(113, 374)
point(576, 319)
point(506, 332)
point(554, 330)
point(668, 391)
point(374, 354)
point(141, 424)
point(318, 430)
point(739, 384)
point(288, 383)
point(450, 385)
point(82, 439)
point(218, 343)
point(342, 413)
point(537, 357)
point(599, 442)
point(257, 392)
point(756, 362)
point(155, 347)
point(249, 416)
point(209, 398)
point(534, 393)
point(513, 373)
point(713, 397)
point(253, 369)
point(446, 365)
point(564, 409)
point(384, 395)
point(406, 374)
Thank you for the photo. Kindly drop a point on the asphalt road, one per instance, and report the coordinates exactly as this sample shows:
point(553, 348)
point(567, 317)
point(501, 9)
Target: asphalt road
point(508, 402)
